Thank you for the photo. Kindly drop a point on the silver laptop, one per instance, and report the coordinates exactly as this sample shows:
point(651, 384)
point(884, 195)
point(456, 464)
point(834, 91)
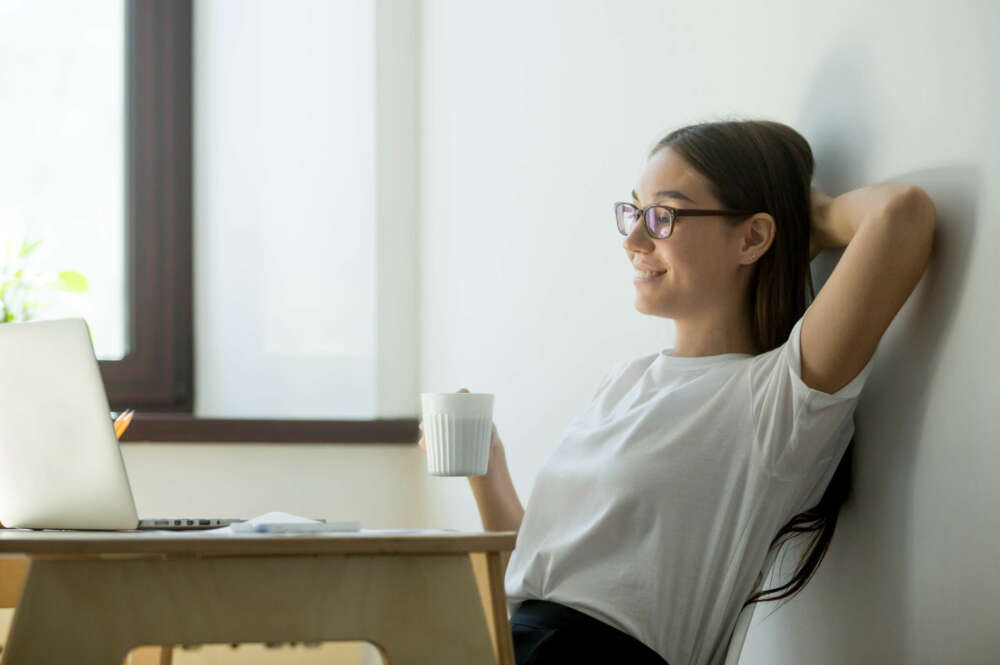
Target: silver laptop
point(60, 464)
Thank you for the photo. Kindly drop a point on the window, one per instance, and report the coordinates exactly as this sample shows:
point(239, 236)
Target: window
point(284, 216)
point(156, 370)
point(157, 373)
point(97, 173)
point(62, 108)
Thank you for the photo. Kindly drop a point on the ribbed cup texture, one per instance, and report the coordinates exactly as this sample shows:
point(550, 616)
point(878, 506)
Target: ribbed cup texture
point(457, 446)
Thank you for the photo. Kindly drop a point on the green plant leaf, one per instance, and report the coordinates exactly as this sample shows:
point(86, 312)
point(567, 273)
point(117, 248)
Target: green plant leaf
point(71, 281)
point(28, 247)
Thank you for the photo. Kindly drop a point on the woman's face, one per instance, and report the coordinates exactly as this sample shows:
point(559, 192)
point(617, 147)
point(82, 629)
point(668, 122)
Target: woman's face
point(702, 257)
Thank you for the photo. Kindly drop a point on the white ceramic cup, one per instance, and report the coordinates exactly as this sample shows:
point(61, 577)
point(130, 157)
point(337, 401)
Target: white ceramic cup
point(457, 430)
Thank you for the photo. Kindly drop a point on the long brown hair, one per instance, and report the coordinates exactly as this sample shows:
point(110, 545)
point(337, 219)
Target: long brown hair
point(767, 166)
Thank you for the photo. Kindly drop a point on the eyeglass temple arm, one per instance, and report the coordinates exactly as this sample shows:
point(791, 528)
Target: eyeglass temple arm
point(690, 211)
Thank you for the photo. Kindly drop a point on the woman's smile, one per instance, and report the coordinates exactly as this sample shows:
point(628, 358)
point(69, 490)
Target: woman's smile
point(644, 277)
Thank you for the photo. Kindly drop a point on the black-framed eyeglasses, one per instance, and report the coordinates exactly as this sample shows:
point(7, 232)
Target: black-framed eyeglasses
point(660, 219)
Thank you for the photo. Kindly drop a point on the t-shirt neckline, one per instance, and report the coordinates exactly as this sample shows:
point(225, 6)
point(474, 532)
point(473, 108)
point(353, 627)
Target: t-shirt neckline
point(696, 362)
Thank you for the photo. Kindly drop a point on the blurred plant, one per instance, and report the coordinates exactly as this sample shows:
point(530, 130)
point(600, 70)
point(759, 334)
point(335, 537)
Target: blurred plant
point(23, 288)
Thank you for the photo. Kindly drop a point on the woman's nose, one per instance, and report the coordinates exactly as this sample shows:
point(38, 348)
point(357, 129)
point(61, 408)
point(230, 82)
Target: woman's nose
point(637, 238)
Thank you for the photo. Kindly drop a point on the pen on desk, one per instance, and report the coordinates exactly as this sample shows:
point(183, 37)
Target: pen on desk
point(122, 422)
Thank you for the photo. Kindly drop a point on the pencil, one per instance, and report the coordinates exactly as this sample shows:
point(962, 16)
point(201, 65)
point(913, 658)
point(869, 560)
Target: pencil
point(122, 422)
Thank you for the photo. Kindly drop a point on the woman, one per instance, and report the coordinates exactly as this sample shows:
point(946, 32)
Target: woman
point(653, 522)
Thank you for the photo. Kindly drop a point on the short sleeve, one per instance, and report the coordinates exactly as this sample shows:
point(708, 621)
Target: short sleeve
point(796, 426)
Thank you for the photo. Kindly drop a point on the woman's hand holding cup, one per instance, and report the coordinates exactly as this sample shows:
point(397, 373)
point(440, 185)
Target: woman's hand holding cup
point(495, 441)
point(463, 423)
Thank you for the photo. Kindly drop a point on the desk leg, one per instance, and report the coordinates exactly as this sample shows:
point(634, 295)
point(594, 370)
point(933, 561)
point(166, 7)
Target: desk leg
point(498, 606)
point(489, 578)
point(415, 608)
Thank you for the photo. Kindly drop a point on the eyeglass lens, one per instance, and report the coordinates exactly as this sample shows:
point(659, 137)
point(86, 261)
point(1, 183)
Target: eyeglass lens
point(657, 220)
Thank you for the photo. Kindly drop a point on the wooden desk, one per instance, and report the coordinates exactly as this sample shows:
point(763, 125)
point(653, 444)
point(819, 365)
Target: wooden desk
point(90, 596)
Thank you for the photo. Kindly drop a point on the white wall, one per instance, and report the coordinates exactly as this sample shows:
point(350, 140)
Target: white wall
point(529, 110)
point(536, 116)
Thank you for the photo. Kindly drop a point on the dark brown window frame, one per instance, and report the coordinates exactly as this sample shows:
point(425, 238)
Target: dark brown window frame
point(157, 373)
point(157, 376)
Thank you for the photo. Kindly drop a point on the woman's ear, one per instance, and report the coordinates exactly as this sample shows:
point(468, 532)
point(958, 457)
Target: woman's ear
point(758, 234)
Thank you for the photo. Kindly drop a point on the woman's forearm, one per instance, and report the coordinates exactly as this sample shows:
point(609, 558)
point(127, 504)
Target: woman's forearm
point(499, 507)
point(845, 213)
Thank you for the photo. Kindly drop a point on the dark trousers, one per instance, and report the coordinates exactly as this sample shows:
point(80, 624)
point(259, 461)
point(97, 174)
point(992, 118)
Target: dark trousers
point(549, 633)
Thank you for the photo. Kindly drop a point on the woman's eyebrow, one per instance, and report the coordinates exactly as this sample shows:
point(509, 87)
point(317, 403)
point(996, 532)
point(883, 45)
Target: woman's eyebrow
point(667, 193)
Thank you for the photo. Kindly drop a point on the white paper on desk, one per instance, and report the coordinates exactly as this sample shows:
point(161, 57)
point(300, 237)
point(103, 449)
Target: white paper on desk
point(283, 522)
point(286, 523)
point(280, 518)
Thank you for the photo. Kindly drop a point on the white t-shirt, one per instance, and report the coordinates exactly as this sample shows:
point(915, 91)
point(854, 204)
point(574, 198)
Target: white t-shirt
point(655, 511)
